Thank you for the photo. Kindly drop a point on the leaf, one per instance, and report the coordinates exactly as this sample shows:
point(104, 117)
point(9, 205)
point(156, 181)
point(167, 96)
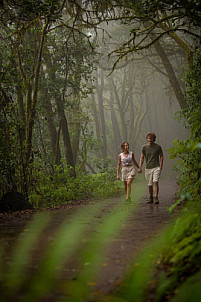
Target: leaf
point(91, 283)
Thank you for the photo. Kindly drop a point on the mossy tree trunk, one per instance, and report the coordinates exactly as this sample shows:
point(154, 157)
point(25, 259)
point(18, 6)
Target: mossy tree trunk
point(59, 99)
point(100, 89)
point(30, 83)
point(170, 72)
point(53, 133)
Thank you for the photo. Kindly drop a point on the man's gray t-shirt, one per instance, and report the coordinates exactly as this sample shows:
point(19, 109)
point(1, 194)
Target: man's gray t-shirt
point(151, 154)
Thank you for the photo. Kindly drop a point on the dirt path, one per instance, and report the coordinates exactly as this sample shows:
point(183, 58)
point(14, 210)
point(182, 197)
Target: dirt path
point(141, 225)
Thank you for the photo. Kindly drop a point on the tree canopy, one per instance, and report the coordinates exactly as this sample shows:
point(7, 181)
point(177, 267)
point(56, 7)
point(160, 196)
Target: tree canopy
point(76, 77)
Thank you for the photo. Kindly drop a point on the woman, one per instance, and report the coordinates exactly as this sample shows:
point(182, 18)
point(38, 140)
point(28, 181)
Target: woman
point(127, 159)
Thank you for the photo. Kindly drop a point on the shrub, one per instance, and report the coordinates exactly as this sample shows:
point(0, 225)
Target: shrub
point(59, 187)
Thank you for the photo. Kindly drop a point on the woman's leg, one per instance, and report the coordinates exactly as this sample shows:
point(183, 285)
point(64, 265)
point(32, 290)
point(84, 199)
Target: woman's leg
point(125, 186)
point(128, 193)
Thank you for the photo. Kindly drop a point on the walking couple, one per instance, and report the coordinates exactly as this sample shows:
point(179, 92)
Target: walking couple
point(153, 155)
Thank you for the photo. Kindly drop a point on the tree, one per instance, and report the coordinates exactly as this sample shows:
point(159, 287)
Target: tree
point(26, 35)
point(27, 40)
point(152, 22)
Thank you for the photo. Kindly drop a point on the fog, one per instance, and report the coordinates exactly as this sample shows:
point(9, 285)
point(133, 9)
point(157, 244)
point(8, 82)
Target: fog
point(94, 88)
point(133, 96)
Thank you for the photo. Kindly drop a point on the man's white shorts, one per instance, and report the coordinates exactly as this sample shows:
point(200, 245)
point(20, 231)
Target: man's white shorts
point(152, 175)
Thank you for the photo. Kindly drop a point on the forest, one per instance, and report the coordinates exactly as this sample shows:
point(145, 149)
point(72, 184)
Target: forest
point(78, 78)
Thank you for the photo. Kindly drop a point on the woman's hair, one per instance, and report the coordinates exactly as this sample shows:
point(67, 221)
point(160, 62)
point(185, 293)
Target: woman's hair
point(152, 134)
point(122, 145)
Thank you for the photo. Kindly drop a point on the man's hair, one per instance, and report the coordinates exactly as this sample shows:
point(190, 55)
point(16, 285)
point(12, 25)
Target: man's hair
point(152, 134)
point(122, 145)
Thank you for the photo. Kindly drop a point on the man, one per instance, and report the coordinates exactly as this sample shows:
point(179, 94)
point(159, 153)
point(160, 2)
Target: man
point(153, 155)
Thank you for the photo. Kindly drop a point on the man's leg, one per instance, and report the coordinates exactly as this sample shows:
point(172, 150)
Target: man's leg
point(156, 176)
point(150, 189)
point(156, 188)
point(149, 178)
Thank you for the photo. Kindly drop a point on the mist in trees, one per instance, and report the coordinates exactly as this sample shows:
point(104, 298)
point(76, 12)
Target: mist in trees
point(78, 79)
point(135, 97)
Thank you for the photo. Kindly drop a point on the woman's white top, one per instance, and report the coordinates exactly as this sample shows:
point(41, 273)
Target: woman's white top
point(126, 161)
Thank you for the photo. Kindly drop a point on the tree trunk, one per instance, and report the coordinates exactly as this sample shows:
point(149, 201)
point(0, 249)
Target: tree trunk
point(184, 46)
point(76, 127)
point(63, 120)
point(31, 87)
point(21, 113)
point(102, 117)
point(95, 114)
point(121, 111)
point(170, 72)
point(115, 127)
point(66, 135)
point(52, 130)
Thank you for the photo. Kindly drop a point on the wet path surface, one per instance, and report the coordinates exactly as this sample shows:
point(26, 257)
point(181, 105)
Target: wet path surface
point(141, 227)
point(138, 223)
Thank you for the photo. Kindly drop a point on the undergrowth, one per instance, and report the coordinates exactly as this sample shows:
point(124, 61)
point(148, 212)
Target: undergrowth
point(35, 272)
point(59, 187)
point(169, 268)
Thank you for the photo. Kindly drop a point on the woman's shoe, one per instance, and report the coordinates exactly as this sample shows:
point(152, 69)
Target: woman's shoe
point(129, 199)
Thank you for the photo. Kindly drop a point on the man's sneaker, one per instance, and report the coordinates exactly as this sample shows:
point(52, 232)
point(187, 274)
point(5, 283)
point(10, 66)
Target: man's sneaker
point(150, 199)
point(155, 199)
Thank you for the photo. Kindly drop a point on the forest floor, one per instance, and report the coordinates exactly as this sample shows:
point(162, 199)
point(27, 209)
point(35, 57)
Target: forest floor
point(141, 226)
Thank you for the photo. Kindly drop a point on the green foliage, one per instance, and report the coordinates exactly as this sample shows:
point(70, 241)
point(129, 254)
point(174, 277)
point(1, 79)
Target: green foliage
point(185, 248)
point(140, 277)
point(188, 8)
point(58, 187)
point(192, 111)
point(190, 291)
point(163, 266)
point(28, 10)
point(175, 255)
point(66, 66)
point(32, 278)
point(188, 155)
point(11, 155)
point(189, 152)
point(16, 269)
point(181, 257)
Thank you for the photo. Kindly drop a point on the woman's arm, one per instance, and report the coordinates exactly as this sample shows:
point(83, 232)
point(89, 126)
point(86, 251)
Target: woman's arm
point(118, 166)
point(134, 161)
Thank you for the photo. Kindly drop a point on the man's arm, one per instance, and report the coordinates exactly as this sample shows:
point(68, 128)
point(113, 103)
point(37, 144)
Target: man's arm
point(161, 160)
point(141, 163)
